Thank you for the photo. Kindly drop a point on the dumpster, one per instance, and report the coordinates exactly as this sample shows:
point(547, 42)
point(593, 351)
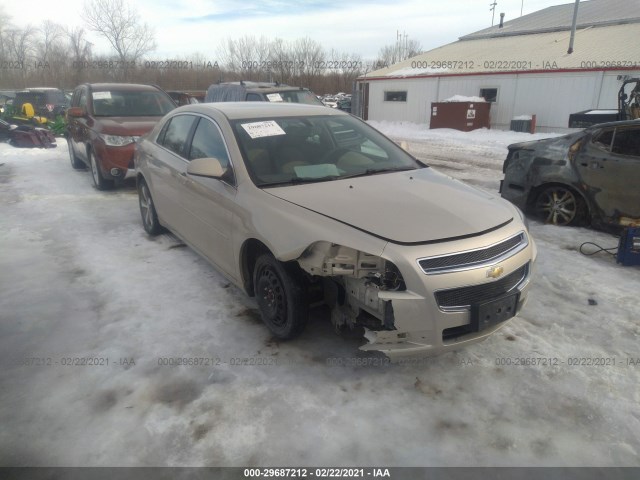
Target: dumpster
point(523, 123)
point(460, 115)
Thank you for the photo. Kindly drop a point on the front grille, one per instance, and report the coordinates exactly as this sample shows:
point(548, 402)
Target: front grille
point(464, 297)
point(473, 258)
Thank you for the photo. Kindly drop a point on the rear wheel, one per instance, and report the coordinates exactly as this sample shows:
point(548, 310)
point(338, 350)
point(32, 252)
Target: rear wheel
point(98, 180)
point(280, 295)
point(76, 163)
point(147, 209)
point(560, 205)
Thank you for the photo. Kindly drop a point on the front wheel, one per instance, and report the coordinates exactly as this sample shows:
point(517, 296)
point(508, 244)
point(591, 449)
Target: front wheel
point(76, 163)
point(559, 205)
point(148, 210)
point(280, 295)
point(98, 180)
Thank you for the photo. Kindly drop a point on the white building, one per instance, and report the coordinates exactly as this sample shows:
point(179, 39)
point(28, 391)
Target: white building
point(523, 67)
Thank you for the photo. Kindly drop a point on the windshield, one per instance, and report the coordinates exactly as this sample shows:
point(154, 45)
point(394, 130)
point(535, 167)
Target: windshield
point(56, 97)
point(294, 96)
point(292, 150)
point(131, 104)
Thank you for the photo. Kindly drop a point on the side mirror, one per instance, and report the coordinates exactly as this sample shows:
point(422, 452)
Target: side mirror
point(75, 112)
point(206, 167)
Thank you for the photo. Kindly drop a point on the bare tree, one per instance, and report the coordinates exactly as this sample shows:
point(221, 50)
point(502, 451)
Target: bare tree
point(310, 56)
point(401, 50)
point(50, 35)
point(19, 46)
point(119, 23)
point(80, 52)
point(246, 56)
point(5, 22)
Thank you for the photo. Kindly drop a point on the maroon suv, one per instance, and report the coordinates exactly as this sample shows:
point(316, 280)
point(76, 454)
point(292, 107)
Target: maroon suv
point(103, 123)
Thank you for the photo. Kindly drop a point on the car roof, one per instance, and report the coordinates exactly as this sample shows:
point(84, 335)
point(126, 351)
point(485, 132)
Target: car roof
point(121, 86)
point(42, 89)
point(238, 110)
point(267, 87)
point(620, 123)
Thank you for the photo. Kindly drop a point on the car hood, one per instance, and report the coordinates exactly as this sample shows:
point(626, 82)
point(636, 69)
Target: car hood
point(126, 125)
point(563, 141)
point(412, 207)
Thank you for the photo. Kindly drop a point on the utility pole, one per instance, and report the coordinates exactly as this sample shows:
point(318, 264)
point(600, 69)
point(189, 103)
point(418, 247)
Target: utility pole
point(493, 10)
point(573, 27)
point(521, 7)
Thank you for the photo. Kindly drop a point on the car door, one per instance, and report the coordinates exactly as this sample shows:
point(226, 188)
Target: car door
point(610, 166)
point(167, 167)
point(210, 202)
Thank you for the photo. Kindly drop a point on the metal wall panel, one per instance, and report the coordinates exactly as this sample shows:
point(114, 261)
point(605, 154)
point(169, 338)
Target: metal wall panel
point(552, 96)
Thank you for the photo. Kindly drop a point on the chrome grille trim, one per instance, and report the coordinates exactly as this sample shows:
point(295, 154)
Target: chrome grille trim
point(487, 291)
point(475, 258)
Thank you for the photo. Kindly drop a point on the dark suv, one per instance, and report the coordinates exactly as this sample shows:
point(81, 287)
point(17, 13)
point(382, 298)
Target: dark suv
point(46, 102)
point(259, 92)
point(103, 123)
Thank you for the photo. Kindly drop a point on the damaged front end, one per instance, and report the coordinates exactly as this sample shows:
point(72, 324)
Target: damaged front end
point(357, 286)
point(409, 310)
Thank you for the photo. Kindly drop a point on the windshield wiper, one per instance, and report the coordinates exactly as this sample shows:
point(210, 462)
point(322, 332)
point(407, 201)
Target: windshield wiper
point(369, 171)
point(374, 171)
point(298, 180)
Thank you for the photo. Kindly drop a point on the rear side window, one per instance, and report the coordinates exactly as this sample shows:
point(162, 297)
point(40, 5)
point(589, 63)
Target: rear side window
point(253, 97)
point(176, 133)
point(627, 142)
point(603, 139)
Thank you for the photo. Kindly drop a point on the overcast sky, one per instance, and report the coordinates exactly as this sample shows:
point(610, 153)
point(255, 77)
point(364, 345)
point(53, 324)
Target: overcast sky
point(184, 27)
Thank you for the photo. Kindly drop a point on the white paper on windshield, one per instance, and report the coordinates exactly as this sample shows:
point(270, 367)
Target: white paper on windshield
point(101, 95)
point(316, 171)
point(268, 128)
point(274, 97)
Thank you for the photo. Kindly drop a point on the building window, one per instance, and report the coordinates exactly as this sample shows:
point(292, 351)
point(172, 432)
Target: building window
point(395, 96)
point(489, 94)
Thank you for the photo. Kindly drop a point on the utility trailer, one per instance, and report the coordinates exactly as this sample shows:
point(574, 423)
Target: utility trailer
point(628, 108)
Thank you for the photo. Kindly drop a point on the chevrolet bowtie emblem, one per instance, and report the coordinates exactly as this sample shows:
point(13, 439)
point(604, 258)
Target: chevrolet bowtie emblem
point(495, 272)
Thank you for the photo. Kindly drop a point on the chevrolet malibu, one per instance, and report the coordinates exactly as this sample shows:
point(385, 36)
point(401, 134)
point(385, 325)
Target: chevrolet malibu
point(300, 205)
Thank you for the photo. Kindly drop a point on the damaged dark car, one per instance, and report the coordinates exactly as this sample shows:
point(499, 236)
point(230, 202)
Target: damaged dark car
point(589, 177)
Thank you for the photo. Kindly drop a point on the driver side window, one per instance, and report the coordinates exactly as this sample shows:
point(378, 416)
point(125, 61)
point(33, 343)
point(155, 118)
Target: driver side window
point(207, 142)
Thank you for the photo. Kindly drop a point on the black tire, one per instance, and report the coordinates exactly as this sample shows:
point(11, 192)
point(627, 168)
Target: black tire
point(148, 210)
point(560, 205)
point(76, 163)
point(281, 298)
point(99, 181)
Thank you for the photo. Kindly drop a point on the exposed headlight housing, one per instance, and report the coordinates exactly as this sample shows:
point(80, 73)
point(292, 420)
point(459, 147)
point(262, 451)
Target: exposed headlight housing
point(117, 140)
point(327, 259)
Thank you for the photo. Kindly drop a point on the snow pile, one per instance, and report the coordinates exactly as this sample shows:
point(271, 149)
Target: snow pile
point(523, 117)
point(413, 72)
point(557, 386)
point(462, 98)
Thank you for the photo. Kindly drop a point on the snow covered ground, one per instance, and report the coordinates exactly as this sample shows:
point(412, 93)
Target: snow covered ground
point(79, 278)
